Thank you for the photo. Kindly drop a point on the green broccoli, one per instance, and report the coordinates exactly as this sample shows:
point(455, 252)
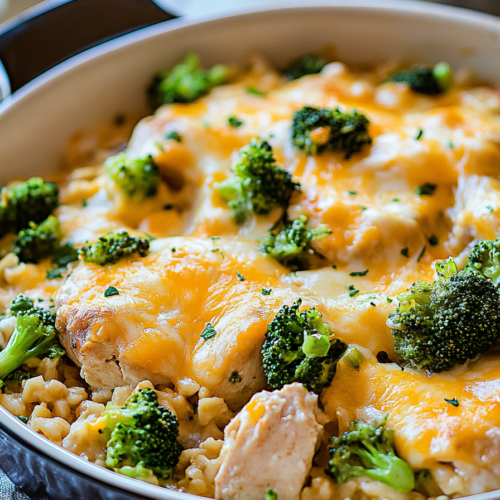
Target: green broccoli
point(305, 65)
point(426, 484)
point(138, 178)
point(186, 82)
point(368, 450)
point(142, 437)
point(30, 201)
point(318, 129)
point(21, 304)
point(424, 79)
point(113, 247)
point(484, 260)
point(17, 376)
point(440, 325)
point(34, 335)
point(291, 244)
point(353, 357)
point(38, 241)
point(271, 495)
point(299, 347)
point(259, 184)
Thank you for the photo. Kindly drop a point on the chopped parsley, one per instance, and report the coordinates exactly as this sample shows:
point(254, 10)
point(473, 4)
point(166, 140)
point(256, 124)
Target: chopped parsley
point(490, 209)
point(209, 332)
point(255, 91)
point(172, 249)
point(235, 378)
point(359, 273)
point(234, 122)
point(53, 273)
point(451, 145)
point(266, 291)
point(352, 193)
point(426, 189)
point(65, 254)
point(215, 250)
point(110, 291)
point(174, 136)
point(419, 135)
point(395, 200)
point(352, 290)
point(240, 276)
point(22, 418)
point(453, 402)
point(389, 300)
point(404, 252)
point(433, 240)
point(422, 253)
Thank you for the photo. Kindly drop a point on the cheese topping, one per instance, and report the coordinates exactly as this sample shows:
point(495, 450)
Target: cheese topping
point(424, 189)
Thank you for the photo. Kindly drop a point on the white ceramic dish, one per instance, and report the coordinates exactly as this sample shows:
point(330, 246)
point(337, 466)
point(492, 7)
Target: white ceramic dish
point(37, 120)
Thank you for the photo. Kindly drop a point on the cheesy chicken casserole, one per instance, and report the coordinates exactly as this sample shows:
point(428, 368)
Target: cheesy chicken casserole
point(282, 285)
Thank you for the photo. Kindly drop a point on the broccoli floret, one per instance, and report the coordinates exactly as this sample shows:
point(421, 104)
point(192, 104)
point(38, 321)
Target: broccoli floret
point(113, 247)
point(271, 495)
point(30, 201)
point(186, 82)
point(142, 437)
point(21, 304)
point(318, 129)
point(440, 325)
point(484, 260)
point(34, 335)
point(17, 376)
point(305, 65)
point(24, 306)
point(299, 347)
point(426, 80)
point(353, 357)
point(258, 184)
point(138, 178)
point(291, 245)
point(368, 450)
point(38, 241)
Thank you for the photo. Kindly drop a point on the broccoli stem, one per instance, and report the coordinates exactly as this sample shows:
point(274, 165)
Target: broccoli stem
point(388, 469)
point(30, 338)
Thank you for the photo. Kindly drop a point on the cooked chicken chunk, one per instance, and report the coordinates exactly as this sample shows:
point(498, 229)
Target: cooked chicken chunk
point(152, 329)
point(269, 444)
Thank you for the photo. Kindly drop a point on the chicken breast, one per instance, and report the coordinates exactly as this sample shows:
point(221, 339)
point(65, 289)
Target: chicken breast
point(269, 444)
point(152, 329)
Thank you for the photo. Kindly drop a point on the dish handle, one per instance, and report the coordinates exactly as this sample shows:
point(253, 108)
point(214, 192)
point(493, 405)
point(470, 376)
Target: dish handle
point(56, 30)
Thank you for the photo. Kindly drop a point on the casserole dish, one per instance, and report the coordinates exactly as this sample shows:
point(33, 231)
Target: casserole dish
point(40, 115)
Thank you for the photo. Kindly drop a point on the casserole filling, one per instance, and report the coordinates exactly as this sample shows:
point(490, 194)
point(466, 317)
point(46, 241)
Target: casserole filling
point(283, 284)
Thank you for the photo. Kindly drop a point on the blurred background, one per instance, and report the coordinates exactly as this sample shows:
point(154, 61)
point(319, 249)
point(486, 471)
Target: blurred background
point(9, 8)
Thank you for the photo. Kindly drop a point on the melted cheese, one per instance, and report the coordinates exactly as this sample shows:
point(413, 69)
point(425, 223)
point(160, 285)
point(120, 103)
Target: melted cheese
point(428, 430)
point(369, 203)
